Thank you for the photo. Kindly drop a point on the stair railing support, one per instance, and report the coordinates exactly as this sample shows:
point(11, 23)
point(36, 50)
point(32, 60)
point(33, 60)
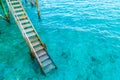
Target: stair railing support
point(38, 8)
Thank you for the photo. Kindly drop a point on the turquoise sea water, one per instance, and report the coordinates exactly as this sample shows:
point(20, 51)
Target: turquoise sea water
point(82, 37)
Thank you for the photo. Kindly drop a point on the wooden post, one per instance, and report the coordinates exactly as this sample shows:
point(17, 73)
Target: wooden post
point(7, 14)
point(33, 3)
point(38, 8)
point(32, 54)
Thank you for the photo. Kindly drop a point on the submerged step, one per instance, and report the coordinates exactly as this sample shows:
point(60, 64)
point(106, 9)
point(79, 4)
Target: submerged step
point(43, 58)
point(46, 62)
point(49, 68)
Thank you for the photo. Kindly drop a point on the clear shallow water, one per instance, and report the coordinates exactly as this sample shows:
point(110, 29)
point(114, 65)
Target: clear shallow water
point(82, 37)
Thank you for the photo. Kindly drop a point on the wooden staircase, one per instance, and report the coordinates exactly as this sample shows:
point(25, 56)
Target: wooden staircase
point(30, 35)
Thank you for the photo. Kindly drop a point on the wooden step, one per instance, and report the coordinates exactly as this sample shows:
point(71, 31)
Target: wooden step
point(26, 25)
point(49, 68)
point(33, 39)
point(17, 5)
point(35, 43)
point(31, 34)
point(22, 17)
point(43, 58)
point(46, 62)
point(41, 53)
point(18, 9)
point(20, 13)
point(13, 2)
point(38, 48)
point(24, 21)
point(28, 30)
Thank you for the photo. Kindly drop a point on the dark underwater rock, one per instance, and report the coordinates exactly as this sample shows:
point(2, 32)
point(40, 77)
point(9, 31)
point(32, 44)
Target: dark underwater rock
point(95, 60)
point(113, 58)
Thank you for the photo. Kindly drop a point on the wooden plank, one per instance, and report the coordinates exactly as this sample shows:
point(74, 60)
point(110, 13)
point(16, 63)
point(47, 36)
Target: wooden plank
point(13, 2)
point(46, 62)
point(20, 13)
point(35, 43)
point(33, 39)
point(38, 48)
point(18, 9)
point(28, 30)
point(26, 25)
point(31, 34)
point(16, 5)
point(22, 17)
point(41, 53)
point(24, 21)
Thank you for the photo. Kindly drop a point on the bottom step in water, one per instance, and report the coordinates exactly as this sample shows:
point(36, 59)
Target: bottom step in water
point(49, 68)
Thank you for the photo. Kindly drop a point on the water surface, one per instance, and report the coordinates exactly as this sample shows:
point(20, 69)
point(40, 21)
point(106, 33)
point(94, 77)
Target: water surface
point(82, 37)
